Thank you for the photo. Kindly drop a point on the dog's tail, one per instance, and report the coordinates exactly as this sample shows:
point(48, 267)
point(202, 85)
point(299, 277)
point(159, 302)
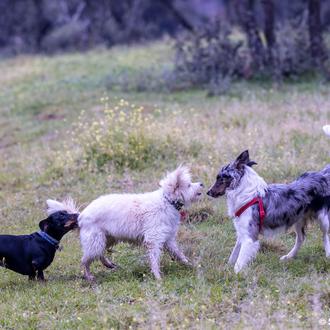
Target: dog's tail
point(67, 204)
point(326, 129)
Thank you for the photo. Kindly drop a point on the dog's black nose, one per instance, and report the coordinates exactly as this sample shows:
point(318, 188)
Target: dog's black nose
point(201, 184)
point(209, 193)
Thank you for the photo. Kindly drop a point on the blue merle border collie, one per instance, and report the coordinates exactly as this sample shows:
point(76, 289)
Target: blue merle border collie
point(285, 206)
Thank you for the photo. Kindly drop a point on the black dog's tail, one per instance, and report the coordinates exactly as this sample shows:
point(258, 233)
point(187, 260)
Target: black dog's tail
point(68, 205)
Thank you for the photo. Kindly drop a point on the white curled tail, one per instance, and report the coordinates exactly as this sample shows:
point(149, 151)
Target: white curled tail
point(326, 129)
point(67, 204)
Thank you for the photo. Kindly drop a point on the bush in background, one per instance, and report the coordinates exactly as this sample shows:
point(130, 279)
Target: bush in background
point(212, 58)
point(208, 58)
point(125, 136)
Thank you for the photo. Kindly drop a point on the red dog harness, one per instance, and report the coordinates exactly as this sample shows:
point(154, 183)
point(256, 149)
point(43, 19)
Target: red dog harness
point(262, 213)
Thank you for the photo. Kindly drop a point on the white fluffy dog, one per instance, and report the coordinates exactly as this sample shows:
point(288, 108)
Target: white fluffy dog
point(150, 219)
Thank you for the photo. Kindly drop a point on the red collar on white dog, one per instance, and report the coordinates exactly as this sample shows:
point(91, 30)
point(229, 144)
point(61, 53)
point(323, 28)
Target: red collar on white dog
point(262, 213)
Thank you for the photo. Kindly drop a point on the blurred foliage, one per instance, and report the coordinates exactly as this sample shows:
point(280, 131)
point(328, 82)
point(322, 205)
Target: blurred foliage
point(128, 137)
point(257, 39)
point(208, 58)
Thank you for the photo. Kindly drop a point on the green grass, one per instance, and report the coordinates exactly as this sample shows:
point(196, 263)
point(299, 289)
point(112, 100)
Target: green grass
point(42, 149)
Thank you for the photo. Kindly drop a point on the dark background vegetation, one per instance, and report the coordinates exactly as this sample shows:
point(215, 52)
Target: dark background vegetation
point(216, 41)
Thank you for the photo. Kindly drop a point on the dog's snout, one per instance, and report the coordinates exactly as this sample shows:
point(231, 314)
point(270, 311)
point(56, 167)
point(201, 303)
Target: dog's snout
point(209, 193)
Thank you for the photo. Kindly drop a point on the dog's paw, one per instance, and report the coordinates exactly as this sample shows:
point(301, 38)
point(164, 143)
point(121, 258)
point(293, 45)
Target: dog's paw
point(188, 263)
point(111, 265)
point(89, 278)
point(42, 281)
point(238, 268)
point(286, 257)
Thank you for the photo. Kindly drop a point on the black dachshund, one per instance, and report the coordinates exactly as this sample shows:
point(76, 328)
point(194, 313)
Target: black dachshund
point(32, 254)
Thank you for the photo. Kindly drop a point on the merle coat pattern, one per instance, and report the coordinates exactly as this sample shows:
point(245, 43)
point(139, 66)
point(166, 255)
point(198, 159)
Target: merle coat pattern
point(286, 205)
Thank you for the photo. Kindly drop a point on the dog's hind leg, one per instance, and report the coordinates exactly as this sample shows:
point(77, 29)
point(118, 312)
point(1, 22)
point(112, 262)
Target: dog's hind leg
point(247, 253)
point(299, 228)
point(107, 263)
point(234, 255)
point(173, 249)
point(323, 218)
point(93, 246)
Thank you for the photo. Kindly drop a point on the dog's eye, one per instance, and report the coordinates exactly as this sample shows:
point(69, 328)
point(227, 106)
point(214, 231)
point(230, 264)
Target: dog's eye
point(189, 185)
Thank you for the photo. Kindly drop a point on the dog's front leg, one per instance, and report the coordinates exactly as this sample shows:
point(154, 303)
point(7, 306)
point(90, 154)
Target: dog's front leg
point(234, 255)
point(37, 271)
point(33, 273)
point(323, 218)
point(40, 275)
point(154, 251)
point(32, 277)
point(175, 252)
point(86, 263)
point(248, 251)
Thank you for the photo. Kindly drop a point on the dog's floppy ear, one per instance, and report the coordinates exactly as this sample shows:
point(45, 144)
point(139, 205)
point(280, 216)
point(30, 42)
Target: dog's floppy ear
point(176, 180)
point(182, 176)
point(243, 159)
point(43, 224)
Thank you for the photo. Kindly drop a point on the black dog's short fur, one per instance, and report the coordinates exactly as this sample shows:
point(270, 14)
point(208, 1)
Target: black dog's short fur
point(32, 254)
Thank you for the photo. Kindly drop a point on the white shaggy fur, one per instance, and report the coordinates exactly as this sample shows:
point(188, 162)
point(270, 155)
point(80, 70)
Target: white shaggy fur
point(67, 204)
point(148, 219)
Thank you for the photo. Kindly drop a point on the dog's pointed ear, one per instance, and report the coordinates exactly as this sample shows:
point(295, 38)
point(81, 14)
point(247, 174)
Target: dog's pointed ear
point(242, 159)
point(43, 224)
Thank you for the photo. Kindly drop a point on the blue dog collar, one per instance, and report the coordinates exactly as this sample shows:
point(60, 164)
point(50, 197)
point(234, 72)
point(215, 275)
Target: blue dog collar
point(49, 239)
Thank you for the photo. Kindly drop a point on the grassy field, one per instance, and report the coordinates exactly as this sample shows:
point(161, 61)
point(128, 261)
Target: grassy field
point(77, 125)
